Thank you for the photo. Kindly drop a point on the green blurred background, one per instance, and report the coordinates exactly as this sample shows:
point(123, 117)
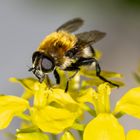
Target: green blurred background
point(24, 23)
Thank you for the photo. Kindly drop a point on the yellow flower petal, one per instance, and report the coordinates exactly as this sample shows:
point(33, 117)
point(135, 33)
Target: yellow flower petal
point(26, 82)
point(100, 99)
point(5, 118)
point(10, 106)
point(87, 95)
point(32, 136)
point(104, 127)
point(30, 85)
point(41, 97)
point(133, 135)
point(64, 100)
point(67, 136)
point(52, 119)
point(130, 103)
point(59, 112)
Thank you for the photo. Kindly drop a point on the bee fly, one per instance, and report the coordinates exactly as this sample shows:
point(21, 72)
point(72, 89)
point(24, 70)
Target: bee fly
point(67, 51)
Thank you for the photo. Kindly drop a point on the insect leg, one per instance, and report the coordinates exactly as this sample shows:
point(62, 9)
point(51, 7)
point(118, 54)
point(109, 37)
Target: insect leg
point(36, 73)
point(48, 82)
point(98, 72)
point(88, 61)
point(72, 68)
point(57, 77)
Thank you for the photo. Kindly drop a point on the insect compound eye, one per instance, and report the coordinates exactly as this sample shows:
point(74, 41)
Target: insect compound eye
point(47, 64)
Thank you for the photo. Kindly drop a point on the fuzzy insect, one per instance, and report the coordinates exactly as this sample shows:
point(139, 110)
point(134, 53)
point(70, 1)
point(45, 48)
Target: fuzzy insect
point(67, 51)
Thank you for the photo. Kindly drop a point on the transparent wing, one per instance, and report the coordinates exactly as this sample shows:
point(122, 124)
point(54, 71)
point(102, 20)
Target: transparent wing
point(83, 46)
point(71, 25)
point(90, 37)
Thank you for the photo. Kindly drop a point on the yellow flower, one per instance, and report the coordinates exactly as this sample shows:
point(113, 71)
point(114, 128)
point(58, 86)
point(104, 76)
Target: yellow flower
point(58, 113)
point(11, 106)
point(53, 110)
point(105, 125)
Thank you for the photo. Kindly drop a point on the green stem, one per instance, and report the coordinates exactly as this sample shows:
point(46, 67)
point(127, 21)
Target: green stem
point(107, 103)
point(80, 134)
point(79, 127)
point(28, 130)
point(118, 115)
point(54, 137)
point(24, 117)
point(103, 101)
point(89, 110)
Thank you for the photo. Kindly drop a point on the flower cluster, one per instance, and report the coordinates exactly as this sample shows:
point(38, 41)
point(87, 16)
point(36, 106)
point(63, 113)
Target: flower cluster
point(49, 111)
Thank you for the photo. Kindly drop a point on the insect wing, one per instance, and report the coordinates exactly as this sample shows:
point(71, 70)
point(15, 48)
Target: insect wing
point(83, 46)
point(71, 25)
point(90, 37)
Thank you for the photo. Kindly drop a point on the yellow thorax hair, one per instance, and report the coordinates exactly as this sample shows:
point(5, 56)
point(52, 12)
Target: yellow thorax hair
point(61, 37)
